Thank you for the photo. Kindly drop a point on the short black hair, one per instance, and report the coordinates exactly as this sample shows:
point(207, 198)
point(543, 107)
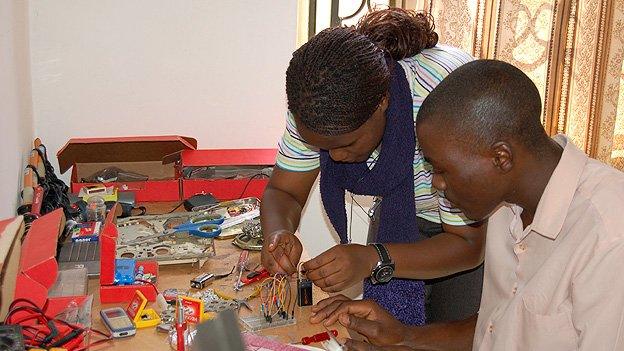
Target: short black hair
point(486, 101)
point(336, 81)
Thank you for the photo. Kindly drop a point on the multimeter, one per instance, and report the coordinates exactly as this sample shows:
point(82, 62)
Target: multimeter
point(118, 322)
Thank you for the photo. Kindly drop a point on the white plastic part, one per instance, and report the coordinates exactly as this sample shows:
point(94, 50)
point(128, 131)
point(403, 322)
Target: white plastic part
point(332, 345)
point(161, 302)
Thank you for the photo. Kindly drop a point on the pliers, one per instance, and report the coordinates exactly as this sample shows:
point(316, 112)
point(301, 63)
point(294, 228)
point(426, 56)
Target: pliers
point(242, 303)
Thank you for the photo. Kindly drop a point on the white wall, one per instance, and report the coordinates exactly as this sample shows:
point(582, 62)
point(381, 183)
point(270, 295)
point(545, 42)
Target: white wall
point(16, 120)
point(214, 70)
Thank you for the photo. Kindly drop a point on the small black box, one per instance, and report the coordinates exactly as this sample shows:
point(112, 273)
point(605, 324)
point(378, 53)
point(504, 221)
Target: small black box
point(304, 292)
point(199, 200)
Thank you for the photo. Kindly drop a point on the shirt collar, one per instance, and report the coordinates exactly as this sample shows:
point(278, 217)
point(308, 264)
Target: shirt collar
point(553, 206)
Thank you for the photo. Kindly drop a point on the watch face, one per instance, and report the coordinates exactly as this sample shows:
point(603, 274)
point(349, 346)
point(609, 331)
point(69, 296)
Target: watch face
point(384, 274)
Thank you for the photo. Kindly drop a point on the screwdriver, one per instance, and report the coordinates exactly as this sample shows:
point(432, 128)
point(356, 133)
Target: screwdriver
point(180, 326)
point(243, 259)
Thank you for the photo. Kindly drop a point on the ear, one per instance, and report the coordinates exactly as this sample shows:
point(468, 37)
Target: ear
point(383, 104)
point(502, 156)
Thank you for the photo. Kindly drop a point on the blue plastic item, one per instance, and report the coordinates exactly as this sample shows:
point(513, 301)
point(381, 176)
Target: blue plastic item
point(124, 271)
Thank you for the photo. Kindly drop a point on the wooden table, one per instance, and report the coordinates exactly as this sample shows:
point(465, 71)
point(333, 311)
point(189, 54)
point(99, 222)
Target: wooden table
point(179, 276)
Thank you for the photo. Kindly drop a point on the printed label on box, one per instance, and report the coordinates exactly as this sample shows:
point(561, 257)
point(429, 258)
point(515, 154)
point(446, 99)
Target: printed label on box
point(87, 231)
point(134, 306)
point(193, 309)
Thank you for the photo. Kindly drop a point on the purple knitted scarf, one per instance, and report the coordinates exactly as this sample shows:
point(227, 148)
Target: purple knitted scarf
point(392, 178)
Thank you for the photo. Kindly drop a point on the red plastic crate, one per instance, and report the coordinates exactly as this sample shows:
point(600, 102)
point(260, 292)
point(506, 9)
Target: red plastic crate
point(226, 189)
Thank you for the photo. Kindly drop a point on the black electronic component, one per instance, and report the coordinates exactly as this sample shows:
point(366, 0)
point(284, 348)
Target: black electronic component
point(304, 292)
point(199, 200)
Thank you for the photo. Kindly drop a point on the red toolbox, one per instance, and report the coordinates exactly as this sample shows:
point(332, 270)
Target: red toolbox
point(109, 292)
point(143, 155)
point(38, 269)
point(228, 173)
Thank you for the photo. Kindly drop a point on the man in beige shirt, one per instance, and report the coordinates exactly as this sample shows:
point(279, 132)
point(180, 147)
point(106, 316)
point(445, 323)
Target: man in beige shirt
point(555, 240)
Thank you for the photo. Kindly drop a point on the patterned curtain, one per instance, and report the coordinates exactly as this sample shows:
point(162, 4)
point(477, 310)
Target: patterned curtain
point(572, 49)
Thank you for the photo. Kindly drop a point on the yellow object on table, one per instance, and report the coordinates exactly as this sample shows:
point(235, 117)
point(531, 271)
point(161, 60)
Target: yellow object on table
point(141, 316)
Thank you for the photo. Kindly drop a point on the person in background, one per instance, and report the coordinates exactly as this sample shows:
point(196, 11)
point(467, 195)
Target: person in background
point(353, 94)
point(555, 238)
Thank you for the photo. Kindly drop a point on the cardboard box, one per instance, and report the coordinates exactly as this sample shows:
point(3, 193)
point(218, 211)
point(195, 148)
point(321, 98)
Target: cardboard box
point(227, 189)
point(143, 155)
point(109, 292)
point(38, 269)
point(11, 232)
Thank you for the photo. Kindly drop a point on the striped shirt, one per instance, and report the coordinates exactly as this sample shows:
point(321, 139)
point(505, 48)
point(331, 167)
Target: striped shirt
point(424, 72)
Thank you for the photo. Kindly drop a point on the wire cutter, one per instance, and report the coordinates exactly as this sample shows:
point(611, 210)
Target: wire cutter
point(204, 226)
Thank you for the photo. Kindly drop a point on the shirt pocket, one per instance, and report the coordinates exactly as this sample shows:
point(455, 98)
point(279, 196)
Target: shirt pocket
point(545, 331)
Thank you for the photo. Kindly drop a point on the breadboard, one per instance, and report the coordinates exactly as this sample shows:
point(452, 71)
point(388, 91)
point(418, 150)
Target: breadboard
point(255, 323)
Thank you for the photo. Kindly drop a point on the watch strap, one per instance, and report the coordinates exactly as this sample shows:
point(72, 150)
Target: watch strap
point(383, 253)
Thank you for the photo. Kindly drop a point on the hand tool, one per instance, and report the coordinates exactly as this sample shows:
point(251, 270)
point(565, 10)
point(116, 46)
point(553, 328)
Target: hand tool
point(243, 259)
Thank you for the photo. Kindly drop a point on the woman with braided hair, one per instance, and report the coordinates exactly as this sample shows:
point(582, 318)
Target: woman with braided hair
point(353, 96)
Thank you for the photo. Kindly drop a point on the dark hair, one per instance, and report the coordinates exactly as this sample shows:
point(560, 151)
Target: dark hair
point(336, 81)
point(486, 101)
point(402, 33)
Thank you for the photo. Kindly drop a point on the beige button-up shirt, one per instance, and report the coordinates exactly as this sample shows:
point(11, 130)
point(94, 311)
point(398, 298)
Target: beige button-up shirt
point(558, 284)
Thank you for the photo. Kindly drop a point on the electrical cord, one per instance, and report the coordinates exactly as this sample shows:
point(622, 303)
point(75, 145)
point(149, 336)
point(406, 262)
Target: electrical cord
point(36, 337)
point(55, 191)
point(175, 208)
point(276, 298)
point(257, 175)
point(149, 283)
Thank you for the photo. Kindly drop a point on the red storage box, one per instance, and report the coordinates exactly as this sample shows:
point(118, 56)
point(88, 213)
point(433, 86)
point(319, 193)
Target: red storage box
point(252, 185)
point(110, 293)
point(143, 155)
point(38, 269)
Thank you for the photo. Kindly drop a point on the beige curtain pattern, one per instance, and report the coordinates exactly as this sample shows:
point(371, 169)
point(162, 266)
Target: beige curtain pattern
point(572, 49)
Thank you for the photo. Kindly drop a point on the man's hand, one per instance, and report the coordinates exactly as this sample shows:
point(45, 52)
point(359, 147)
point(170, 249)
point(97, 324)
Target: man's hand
point(341, 266)
point(362, 316)
point(281, 252)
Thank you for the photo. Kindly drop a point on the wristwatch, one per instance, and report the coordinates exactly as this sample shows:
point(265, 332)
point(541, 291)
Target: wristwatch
point(383, 271)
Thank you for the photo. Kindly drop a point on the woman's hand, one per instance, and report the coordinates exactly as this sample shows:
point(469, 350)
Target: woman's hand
point(341, 266)
point(281, 252)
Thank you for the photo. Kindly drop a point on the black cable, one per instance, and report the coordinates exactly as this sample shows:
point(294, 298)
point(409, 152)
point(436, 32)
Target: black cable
point(47, 339)
point(55, 191)
point(257, 175)
point(67, 338)
point(177, 206)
